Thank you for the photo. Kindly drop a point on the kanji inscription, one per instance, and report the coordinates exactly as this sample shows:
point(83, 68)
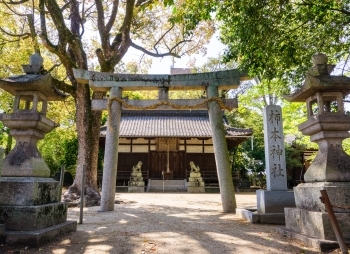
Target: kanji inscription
point(276, 178)
point(274, 116)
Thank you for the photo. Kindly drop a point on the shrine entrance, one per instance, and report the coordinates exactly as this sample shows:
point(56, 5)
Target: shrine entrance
point(169, 162)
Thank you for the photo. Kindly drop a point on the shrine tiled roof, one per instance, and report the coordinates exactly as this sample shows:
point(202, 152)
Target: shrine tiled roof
point(161, 123)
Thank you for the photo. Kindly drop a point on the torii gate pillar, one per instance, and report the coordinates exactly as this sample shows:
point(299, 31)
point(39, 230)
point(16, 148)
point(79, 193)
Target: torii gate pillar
point(111, 153)
point(221, 154)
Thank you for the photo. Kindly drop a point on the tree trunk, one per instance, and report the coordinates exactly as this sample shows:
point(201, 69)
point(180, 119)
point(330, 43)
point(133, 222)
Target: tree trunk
point(86, 154)
point(96, 124)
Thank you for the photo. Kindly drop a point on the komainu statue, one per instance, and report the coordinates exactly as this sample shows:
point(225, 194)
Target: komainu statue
point(137, 167)
point(136, 183)
point(194, 168)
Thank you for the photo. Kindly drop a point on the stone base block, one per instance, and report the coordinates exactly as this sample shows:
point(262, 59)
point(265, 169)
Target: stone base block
point(195, 179)
point(274, 201)
point(28, 191)
point(136, 184)
point(318, 244)
point(31, 167)
point(197, 189)
point(316, 224)
point(28, 218)
point(136, 189)
point(38, 237)
point(195, 184)
point(253, 216)
point(307, 195)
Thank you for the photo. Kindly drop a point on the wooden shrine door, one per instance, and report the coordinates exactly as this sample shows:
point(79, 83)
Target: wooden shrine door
point(159, 164)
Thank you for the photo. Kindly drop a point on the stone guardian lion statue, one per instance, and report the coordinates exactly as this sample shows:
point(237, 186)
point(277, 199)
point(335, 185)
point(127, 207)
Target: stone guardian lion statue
point(194, 168)
point(137, 167)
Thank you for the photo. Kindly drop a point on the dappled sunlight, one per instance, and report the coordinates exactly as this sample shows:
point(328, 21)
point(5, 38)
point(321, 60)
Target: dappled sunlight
point(123, 221)
point(185, 215)
point(97, 240)
point(225, 238)
point(59, 251)
point(99, 248)
point(100, 228)
point(132, 215)
point(66, 241)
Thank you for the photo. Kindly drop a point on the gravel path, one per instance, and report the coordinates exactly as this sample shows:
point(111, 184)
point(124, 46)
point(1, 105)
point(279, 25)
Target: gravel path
point(168, 223)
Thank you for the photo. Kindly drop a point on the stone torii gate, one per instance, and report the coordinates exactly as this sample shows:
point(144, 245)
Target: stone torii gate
point(210, 82)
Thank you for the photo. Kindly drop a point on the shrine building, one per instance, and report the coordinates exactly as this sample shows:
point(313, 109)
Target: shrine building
point(166, 141)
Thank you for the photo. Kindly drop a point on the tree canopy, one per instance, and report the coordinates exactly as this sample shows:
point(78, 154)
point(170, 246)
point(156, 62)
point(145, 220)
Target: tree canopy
point(94, 34)
point(276, 39)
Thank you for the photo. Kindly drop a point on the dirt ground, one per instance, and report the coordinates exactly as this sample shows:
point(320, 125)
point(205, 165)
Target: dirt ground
point(167, 223)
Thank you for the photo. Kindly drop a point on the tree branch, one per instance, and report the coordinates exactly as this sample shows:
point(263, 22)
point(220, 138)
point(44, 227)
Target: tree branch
point(53, 67)
point(58, 20)
point(14, 12)
point(143, 3)
point(346, 12)
point(63, 86)
point(24, 35)
point(14, 3)
point(162, 37)
point(101, 24)
point(113, 16)
point(43, 35)
point(124, 34)
point(342, 10)
point(154, 54)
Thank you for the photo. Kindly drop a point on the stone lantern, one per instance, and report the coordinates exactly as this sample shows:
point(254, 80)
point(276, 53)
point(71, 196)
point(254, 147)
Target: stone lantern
point(328, 126)
point(28, 123)
point(30, 206)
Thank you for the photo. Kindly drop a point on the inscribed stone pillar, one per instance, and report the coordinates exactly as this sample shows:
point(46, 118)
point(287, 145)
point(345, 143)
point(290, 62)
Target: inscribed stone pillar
point(111, 152)
point(276, 197)
point(221, 153)
point(276, 174)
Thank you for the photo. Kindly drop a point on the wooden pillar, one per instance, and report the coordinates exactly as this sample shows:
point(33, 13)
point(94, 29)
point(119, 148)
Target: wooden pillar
point(111, 152)
point(221, 153)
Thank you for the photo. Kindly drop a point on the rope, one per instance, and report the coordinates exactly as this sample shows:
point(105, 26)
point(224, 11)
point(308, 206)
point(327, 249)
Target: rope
point(161, 103)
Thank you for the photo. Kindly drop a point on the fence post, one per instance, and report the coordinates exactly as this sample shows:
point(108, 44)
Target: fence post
point(334, 222)
point(82, 193)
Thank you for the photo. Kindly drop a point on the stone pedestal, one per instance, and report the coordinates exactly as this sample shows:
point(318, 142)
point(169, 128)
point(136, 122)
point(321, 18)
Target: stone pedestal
point(30, 211)
point(274, 201)
point(195, 183)
point(136, 183)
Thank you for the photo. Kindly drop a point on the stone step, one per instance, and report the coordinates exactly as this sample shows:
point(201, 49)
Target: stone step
point(169, 185)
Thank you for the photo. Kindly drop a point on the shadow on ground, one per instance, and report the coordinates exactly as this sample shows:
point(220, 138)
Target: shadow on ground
point(166, 224)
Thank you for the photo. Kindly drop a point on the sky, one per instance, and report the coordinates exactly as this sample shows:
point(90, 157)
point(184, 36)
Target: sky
point(163, 65)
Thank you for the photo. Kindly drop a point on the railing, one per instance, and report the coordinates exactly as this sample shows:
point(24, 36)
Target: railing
point(122, 176)
point(211, 175)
